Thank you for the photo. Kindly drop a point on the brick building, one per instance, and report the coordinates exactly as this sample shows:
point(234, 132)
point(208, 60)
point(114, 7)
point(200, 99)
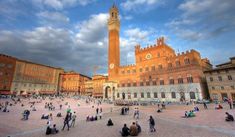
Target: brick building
point(24, 77)
point(73, 83)
point(221, 81)
point(7, 68)
point(34, 78)
point(158, 73)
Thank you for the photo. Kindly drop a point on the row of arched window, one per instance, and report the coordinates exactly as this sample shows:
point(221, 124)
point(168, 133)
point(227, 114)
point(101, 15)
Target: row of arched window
point(155, 95)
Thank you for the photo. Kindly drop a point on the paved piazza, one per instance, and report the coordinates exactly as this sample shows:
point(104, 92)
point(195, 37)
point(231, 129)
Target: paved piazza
point(207, 123)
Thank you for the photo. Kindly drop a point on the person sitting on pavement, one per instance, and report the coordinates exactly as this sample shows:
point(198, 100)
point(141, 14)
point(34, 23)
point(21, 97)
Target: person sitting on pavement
point(219, 107)
point(138, 127)
point(59, 114)
point(44, 116)
point(186, 114)
point(133, 130)
point(110, 122)
point(191, 114)
point(229, 117)
point(196, 109)
point(54, 130)
point(125, 131)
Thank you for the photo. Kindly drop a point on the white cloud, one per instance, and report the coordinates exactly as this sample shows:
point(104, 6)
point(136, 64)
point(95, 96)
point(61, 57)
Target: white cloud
point(134, 4)
point(61, 4)
point(203, 19)
point(94, 29)
point(52, 18)
point(79, 49)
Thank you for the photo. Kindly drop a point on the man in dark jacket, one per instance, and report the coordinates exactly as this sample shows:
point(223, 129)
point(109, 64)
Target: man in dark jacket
point(66, 120)
point(125, 131)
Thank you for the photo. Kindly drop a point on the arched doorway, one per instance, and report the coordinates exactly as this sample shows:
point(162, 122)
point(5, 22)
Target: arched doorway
point(107, 90)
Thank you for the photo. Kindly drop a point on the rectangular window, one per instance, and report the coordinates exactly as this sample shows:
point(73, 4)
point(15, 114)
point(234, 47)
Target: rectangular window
point(177, 63)
point(155, 95)
point(190, 79)
point(146, 69)
point(154, 83)
point(128, 84)
point(123, 85)
point(141, 83)
point(186, 61)
point(148, 95)
point(171, 82)
point(134, 84)
point(213, 88)
point(222, 88)
point(147, 83)
point(153, 68)
point(141, 70)
point(230, 77)
point(142, 94)
point(159, 66)
point(135, 95)
point(173, 95)
point(169, 65)
point(211, 79)
point(118, 95)
point(219, 78)
point(232, 87)
point(163, 95)
point(133, 71)
point(161, 82)
point(180, 81)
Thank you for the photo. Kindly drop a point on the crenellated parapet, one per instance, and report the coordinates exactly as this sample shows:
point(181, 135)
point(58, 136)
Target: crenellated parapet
point(160, 43)
point(187, 52)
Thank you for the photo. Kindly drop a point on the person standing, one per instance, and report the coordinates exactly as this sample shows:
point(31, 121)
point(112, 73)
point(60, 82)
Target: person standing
point(73, 119)
point(152, 124)
point(205, 106)
point(230, 103)
point(97, 111)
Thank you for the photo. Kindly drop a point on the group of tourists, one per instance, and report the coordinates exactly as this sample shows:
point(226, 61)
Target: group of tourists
point(135, 128)
point(125, 110)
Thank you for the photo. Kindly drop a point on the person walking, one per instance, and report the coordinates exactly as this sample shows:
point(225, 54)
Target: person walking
point(152, 124)
point(205, 106)
point(66, 121)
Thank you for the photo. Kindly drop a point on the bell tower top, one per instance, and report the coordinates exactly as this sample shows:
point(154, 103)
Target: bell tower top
point(113, 21)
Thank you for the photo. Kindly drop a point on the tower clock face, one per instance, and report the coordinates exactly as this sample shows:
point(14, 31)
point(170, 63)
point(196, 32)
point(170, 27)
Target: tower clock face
point(148, 56)
point(111, 66)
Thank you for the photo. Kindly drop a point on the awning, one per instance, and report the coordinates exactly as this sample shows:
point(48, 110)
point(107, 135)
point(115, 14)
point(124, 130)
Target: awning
point(47, 92)
point(5, 92)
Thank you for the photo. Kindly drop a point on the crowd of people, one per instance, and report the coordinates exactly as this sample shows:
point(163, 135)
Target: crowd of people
point(69, 116)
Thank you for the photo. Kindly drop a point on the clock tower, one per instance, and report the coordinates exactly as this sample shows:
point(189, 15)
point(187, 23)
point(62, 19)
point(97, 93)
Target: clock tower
point(113, 49)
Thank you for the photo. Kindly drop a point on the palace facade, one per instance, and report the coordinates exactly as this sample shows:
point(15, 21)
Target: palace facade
point(159, 74)
point(23, 77)
point(94, 87)
point(7, 68)
point(221, 81)
point(72, 82)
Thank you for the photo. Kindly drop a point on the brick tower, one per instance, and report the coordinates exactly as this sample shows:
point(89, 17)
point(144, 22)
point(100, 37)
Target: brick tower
point(113, 49)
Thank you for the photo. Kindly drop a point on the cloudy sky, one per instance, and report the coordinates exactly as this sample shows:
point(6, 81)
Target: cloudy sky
point(73, 33)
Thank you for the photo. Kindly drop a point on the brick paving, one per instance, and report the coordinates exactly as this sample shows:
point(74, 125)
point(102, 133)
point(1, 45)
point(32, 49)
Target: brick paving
point(207, 123)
